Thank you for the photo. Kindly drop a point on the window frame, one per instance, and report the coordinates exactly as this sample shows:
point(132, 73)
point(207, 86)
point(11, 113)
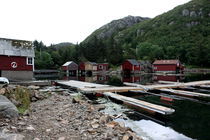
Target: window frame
point(31, 61)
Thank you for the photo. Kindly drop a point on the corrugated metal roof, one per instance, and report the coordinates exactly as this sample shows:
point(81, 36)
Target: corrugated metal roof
point(166, 62)
point(133, 61)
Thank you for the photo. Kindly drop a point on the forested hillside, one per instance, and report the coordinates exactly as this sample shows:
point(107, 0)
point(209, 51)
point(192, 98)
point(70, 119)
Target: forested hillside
point(182, 33)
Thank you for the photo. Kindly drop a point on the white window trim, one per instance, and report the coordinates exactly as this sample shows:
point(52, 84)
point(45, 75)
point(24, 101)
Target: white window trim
point(27, 60)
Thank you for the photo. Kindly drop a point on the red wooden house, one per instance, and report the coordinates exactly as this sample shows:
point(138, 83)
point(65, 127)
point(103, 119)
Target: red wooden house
point(70, 67)
point(169, 66)
point(131, 66)
point(16, 59)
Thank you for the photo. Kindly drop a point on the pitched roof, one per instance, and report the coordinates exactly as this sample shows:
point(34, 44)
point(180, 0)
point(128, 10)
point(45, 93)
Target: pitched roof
point(133, 61)
point(19, 43)
point(13, 47)
point(166, 62)
point(67, 63)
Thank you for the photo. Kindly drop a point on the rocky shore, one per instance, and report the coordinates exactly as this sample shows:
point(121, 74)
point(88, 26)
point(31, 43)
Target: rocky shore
point(56, 114)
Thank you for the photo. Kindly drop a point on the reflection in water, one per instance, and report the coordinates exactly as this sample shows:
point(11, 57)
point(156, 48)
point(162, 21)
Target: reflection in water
point(171, 78)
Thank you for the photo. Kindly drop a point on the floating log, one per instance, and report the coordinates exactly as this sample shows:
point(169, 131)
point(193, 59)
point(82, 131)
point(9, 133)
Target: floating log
point(185, 93)
point(142, 104)
point(202, 86)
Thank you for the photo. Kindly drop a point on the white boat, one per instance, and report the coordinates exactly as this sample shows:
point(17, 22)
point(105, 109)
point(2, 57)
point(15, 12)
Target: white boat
point(3, 81)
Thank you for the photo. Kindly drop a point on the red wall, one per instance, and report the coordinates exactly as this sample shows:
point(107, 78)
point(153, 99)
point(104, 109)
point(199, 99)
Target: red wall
point(5, 63)
point(165, 67)
point(128, 66)
point(82, 66)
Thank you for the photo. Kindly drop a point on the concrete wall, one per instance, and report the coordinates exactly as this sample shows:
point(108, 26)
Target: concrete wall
point(17, 75)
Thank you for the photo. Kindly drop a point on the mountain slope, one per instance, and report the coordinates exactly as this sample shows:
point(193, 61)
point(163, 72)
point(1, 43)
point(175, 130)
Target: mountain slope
point(115, 26)
point(185, 31)
point(181, 33)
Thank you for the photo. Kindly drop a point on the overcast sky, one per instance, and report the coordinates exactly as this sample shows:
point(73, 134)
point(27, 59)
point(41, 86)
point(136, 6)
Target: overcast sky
point(55, 21)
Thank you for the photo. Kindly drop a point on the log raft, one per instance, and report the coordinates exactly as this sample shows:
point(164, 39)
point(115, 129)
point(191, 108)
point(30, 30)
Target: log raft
point(83, 86)
point(108, 90)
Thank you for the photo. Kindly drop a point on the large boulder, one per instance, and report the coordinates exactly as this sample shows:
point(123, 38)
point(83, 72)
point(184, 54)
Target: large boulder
point(7, 108)
point(4, 136)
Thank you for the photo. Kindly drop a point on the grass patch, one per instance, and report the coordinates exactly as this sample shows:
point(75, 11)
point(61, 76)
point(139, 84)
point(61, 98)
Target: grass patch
point(21, 96)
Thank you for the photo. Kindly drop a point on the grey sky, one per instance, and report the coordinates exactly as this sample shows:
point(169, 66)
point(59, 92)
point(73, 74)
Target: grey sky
point(55, 21)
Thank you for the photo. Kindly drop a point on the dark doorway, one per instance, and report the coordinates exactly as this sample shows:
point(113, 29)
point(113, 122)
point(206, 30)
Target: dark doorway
point(0, 73)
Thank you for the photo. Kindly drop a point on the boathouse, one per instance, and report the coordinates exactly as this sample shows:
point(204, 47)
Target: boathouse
point(16, 59)
point(131, 66)
point(168, 66)
point(70, 68)
point(88, 68)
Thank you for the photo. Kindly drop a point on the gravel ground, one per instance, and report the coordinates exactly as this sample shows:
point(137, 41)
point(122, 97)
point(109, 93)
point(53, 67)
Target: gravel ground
point(61, 117)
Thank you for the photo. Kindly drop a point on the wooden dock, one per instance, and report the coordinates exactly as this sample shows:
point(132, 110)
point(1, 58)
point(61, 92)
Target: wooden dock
point(83, 86)
point(108, 90)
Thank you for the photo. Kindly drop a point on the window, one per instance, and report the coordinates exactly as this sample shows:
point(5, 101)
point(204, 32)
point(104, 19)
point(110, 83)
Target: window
point(29, 61)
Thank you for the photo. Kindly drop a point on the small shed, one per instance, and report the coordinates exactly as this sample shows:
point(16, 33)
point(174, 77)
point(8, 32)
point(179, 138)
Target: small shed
point(168, 66)
point(70, 67)
point(131, 66)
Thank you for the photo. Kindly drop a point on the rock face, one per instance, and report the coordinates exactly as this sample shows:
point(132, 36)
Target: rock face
point(114, 26)
point(185, 12)
point(7, 108)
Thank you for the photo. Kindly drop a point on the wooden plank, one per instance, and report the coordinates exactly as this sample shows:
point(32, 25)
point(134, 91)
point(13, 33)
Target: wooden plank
point(80, 84)
point(110, 89)
point(167, 82)
point(160, 95)
point(136, 85)
point(186, 93)
point(142, 104)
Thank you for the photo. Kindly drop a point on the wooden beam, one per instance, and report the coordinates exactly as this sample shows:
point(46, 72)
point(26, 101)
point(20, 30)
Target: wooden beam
point(142, 104)
point(186, 93)
point(167, 82)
